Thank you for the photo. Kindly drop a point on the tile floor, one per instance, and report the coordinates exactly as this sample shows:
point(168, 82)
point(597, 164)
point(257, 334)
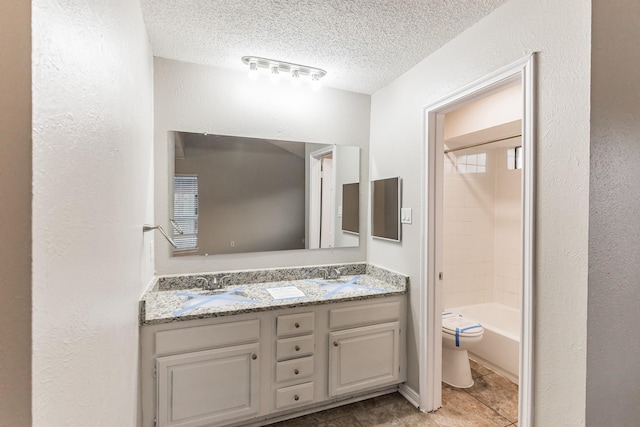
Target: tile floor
point(491, 402)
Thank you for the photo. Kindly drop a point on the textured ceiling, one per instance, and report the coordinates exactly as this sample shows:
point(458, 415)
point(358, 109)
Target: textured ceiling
point(362, 44)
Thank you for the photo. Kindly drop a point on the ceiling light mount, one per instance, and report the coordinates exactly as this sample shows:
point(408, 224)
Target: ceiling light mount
point(275, 66)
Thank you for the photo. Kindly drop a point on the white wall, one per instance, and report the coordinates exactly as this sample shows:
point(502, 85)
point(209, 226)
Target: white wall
point(92, 163)
point(613, 371)
point(197, 98)
point(492, 110)
point(15, 211)
point(560, 31)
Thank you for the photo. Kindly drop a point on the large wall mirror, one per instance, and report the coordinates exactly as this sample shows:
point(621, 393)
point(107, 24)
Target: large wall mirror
point(231, 194)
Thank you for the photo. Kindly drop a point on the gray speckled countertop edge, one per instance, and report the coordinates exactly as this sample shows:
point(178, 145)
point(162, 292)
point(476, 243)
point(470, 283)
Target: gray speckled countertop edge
point(158, 303)
point(263, 308)
point(189, 281)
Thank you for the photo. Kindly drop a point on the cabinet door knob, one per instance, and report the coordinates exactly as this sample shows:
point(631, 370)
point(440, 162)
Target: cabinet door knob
point(335, 343)
point(297, 325)
point(254, 356)
point(297, 348)
point(296, 397)
point(296, 372)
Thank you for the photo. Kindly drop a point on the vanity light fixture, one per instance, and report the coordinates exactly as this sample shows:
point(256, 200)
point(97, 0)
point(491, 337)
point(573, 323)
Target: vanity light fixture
point(278, 68)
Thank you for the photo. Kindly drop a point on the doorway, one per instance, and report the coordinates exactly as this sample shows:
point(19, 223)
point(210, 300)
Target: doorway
point(431, 298)
point(322, 199)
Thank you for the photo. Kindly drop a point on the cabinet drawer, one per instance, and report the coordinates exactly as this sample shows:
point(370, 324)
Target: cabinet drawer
point(294, 395)
point(294, 369)
point(364, 315)
point(202, 337)
point(288, 348)
point(293, 324)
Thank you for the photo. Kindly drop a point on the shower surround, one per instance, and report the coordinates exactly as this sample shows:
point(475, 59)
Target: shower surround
point(482, 255)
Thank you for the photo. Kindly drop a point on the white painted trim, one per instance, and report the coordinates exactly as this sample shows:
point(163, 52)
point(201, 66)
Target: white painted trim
point(430, 319)
point(314, 193)
point(314, 202)
point(526, 396)
point(334, 202)
point(410, 394)
point(430, 334)
point(328, 205)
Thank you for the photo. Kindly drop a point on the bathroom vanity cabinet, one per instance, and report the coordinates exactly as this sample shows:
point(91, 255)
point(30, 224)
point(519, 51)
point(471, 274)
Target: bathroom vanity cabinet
point(189, 379)
point(362, 357)
point(257, 368)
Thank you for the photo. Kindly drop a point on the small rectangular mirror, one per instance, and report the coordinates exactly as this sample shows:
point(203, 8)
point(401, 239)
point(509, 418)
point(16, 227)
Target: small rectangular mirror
point(351, 208)
point(385, 208)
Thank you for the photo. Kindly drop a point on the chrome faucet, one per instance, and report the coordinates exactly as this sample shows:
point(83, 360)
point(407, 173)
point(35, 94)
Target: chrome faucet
point(325, 273)
point(335, 272)
point(205, 282)
point(217, 283)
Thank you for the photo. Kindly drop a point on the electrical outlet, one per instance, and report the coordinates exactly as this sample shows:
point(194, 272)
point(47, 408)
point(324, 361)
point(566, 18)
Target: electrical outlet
point(232, 243)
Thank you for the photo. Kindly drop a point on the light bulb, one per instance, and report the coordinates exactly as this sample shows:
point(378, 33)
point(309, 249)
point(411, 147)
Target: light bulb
point(295, 77)
point(253, 70)
point(275, 74)
point(315, 82)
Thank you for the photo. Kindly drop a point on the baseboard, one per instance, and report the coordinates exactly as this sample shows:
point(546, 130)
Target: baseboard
point(409, 394)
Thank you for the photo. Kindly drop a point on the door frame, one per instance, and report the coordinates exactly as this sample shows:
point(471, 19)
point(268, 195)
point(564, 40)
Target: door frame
point(430, 339)
point(315, 194)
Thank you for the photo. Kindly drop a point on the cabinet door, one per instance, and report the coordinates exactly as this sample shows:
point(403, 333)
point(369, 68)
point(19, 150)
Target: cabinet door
point(363, 358)
point(206, 387)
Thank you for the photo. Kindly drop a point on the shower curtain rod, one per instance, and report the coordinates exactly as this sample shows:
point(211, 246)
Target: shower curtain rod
point(480, 143)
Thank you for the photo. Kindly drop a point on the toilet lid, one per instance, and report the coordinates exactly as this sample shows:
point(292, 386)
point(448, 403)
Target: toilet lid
point(457, 324)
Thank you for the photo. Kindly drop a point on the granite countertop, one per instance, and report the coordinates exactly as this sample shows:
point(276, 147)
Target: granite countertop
point(173, 305)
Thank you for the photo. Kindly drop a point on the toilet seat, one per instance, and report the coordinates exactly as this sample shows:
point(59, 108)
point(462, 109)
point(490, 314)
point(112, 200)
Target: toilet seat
point(459, 326)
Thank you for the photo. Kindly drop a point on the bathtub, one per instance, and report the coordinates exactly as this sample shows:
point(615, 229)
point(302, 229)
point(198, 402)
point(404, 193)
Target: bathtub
point(500, 345)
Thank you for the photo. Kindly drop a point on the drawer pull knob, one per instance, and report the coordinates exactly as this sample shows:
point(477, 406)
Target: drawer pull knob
point(296, 397)
point(296, 372)
point(254, 356)
point(297, 348)
point(335, 343)
point(297, 325)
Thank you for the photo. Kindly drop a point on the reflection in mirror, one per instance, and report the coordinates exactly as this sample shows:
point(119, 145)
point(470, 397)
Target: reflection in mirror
point(234, 194)
point(385, 208)
point(351, 208)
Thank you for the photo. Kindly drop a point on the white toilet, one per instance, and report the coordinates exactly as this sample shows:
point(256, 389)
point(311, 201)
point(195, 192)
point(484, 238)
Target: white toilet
point(458, 334)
